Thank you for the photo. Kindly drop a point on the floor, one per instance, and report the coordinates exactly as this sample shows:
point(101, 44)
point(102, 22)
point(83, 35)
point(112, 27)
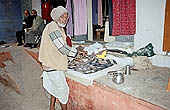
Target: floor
point(26, 74)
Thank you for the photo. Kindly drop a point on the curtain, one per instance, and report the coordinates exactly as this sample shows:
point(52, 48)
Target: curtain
point(80, 17)
point(46, 10)
point(110, 7)
point(124, 17)
point(70, 22)
point(100, 13)
point(95, 12)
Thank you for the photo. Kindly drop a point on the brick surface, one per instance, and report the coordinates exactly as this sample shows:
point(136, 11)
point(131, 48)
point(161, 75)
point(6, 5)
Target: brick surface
point(5, 56)
point(97, 97)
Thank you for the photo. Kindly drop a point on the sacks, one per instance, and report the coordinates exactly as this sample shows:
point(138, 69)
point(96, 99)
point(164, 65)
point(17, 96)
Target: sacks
point(145, 51)
point(142, 62)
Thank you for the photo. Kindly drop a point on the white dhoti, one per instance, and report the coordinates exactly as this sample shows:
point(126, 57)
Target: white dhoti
point(55, 84)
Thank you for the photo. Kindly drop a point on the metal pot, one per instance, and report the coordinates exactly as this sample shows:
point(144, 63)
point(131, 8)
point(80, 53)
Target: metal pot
point(118, 77)
point(127, 70)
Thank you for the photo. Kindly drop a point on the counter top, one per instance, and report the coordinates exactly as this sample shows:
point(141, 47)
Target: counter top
point(87, 79)
point(149, 85)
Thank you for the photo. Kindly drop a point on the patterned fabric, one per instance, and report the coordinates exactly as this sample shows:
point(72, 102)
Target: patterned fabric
point(124, 17)
point(57, 39)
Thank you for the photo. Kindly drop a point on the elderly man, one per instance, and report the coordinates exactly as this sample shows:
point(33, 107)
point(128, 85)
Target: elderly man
point(27, 23)
point(36, 29)
point(53, 55)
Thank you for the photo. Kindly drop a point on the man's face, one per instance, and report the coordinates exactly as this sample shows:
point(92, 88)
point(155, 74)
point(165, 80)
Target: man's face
point(26, 13)
point(63, 19)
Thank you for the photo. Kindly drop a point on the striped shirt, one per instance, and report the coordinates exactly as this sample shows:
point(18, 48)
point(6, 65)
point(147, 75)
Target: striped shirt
point(63, 48)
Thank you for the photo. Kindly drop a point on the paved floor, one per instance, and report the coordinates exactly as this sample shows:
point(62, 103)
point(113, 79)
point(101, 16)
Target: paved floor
point(26, 73)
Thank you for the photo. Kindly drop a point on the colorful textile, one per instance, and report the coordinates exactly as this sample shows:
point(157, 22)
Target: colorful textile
point(124, 17)
point(46, 10)
point(68, 40)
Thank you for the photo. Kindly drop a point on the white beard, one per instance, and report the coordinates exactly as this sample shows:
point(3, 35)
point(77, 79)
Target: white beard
point(61, 25)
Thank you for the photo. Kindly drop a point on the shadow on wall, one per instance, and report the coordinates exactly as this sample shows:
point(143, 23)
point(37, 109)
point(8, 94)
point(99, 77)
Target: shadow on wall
point(10, 19)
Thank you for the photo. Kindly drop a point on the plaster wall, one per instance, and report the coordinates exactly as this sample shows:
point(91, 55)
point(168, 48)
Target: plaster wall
point(36, 4)
point(150, 28)
point(150, 23)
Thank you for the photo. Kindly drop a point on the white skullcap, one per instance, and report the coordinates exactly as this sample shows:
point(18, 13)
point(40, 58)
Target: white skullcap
point(57, 12)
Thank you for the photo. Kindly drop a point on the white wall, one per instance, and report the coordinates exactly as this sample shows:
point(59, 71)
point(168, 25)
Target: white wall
point(150, 28)
point(150, 23)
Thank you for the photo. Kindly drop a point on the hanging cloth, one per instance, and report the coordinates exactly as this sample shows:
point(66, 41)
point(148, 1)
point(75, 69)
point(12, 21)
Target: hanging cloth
point(110, 16)
point(80, 17)
point(56, 3)
point(95, 12)
point(100, 15)
point(105, 8)
point(46, 10)
point(70, 22)
point(124, 17)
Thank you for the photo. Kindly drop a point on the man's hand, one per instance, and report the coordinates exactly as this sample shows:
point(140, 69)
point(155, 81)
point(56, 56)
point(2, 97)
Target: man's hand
point(82, 53)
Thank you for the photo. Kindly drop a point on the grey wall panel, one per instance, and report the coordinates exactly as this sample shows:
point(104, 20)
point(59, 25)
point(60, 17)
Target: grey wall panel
point(10, 19)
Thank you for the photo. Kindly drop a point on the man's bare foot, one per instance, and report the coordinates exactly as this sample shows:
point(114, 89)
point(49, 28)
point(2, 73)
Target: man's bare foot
point(63, 106)
point(52, 108)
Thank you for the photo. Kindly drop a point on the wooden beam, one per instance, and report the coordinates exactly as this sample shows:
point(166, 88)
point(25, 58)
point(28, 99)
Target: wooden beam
point(168, 85)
